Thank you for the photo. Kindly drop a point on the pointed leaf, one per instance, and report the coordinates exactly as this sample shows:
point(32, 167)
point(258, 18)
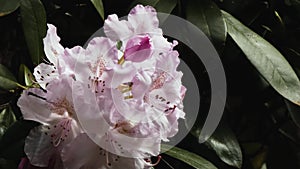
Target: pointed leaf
point(98, 4)
point(34, 26)
point(12, 142)
point(8, 6)
point(165, 6)
point(7, 118)
point(207, 16)
point(25, 75)
point(192, 159)
point(7, 79)
point(225, 144)
point(266, 58)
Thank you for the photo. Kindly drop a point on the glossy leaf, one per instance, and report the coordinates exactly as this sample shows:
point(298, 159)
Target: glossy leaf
point(225, 144)
point(266, 58)
point(207, 16)
point(8, 6)
point(7, 80)
point(34, 26)
point(192, 159)
point(12, 142)
point(7, 118)
point(165, 6)
point(26, 75)
point(98, 4)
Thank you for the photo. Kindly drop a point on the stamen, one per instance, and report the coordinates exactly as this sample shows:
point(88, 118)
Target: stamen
point(95, 83)
point(62, 106)
point(128, 97)
point(159, 81)
point(98, 67)
point(149, 164)
point(123, 88)
point(59, 134)
point(121, 60)
point(172, 110)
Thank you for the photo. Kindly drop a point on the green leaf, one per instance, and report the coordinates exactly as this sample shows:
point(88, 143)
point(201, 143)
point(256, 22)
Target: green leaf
point(266, 58)
point(7, 79)
point(4, 72)
point(192, 159)
point(34, 26)
point(7, 118)
point(98, 4)
point(165, 6)
point(8, 6)
point(25, 75)
point(207, 16)
point(12, 142)
point(225, 144)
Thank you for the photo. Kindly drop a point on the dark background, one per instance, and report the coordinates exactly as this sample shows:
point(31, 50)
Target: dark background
point(257, 121)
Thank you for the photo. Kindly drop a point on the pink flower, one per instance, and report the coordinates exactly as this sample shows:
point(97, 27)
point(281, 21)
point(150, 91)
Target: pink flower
point(60, 61)
point(92, 156)
point(53, 108)
point(104, 106)
point(141, 31)
point(138, 49)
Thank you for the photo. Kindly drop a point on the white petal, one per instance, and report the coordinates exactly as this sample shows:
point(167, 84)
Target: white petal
point(52, 47)
point(44, 73)
point(115, 29)
point(38, 148)
point(36, 108)
point(144, 20)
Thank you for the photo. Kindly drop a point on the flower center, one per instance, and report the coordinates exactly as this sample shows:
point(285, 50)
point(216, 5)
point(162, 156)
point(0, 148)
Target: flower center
point(98, 68)
point(62, 107)
point(126, 88)
point(96, 84)
point(59, 132)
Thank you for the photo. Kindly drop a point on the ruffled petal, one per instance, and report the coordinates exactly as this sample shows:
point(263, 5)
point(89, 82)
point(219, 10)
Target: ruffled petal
point(121, 74)
point(34, 106)
point(143, 19)
point(45, 73)
point(87, 110)
point(69, 58)
point(129, 146)
point(170, 66)
point(101, 47)
point(52, 47)
point(116, 29)
point(141, 84)
point(60, 90)
point(76, 156)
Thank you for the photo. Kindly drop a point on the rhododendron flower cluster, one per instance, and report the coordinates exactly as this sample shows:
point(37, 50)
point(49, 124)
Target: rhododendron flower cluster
point(109, 105)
